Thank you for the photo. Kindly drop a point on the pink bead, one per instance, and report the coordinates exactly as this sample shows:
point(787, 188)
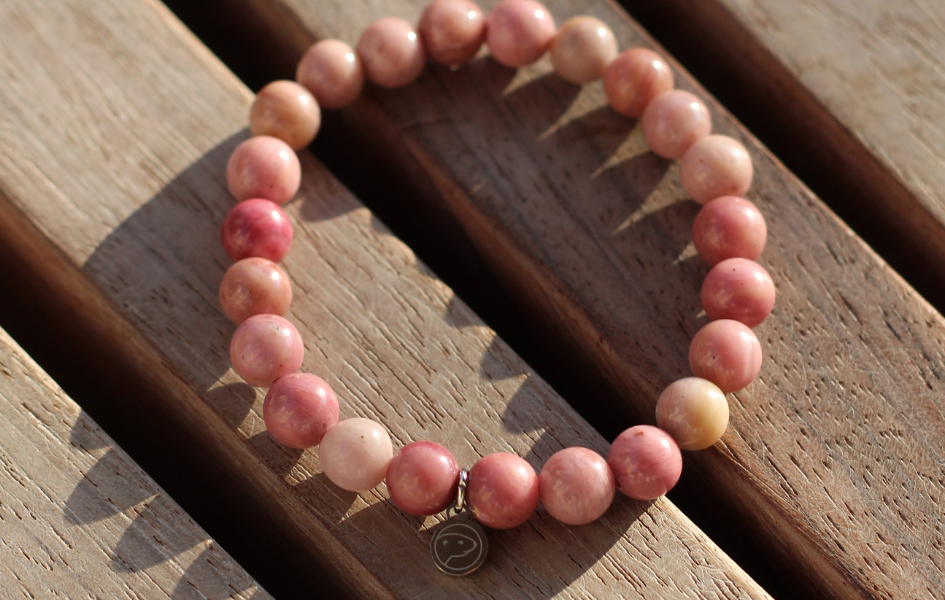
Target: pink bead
point(288, 111)
point(265, 348)
point(254, 286)
point(452, 31)
point(646, 462)
point(354, 454)
point(727, 353)
point(391, 52)
point(264, 167)
point(422, 478)
point(673, 122)
point(299, 409)
point(332, 72)
point(634, 79)
point(256, 228)
point(729, 227)
point(519, 32)
point(502, 491)
point(577, 486)
point(582, 48)
point(715, 166)
point(738, 289)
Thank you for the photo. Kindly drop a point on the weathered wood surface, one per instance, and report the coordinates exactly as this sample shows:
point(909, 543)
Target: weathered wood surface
point(112, 159)
point(79, 519)
point(834, 457)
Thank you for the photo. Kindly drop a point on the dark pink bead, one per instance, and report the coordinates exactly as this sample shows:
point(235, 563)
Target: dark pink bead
point(256, 228)
point(738, 289)
point(727, 353)
point(576, 485)
point(729, 227)
point(646, 462)
point(422, 478)
point(299, 409)
point(502, 491)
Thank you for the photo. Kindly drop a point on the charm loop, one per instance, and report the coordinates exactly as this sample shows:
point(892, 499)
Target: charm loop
point(459, 546)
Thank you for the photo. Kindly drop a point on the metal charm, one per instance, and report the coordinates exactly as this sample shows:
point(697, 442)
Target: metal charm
point(459, 546)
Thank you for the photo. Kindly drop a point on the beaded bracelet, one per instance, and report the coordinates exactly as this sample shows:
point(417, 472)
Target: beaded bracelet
point(501, 490)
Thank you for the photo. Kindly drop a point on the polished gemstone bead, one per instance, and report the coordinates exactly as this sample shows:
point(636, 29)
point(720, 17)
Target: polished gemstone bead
point(738, 289)
point(287, 111)
point(729, 227)
point(727, 353)
point(422, 478)
point(299, 409)
point(646, 462)
point(694, 411)
point(391, 52)
point(673, 122)
point(264, 167)
point(502, 491)
point(256, 228)
point(715, 166)
point(354, 454)
point(634, 78)
point(452, 31)
point(254, 286)
point(518, 32)
point(332, 72)
point(582, 48)
point(265, 348)
point(576, 486)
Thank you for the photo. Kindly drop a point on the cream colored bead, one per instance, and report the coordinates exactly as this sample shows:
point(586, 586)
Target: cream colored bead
point(694, 411)
point(582, 48)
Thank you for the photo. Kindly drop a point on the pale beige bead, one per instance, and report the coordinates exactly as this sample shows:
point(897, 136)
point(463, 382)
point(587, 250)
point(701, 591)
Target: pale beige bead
point(694, 411)
point(332, 71)
point(286, 110)
point(582, 48)
point(715, 166)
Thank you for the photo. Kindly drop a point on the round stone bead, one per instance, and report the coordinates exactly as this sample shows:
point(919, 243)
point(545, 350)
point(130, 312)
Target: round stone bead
point(634, 79)
point(518, 32)
point(264, 167)
point(694, 411)
point(738, 289)
point(729, 227)
point(646, 462)
point(715, 166)
point(254, 286)
point(727, 353)
point(299, 409)
point(422, 478)
point(502, 491)
point(452, 31)
point(286, 110)
point(256, 228)
point(582, 48)
point(265, 348)
point(576, 486)
point(332, 72)
point(673, 122)
point(354, 454)
point(391, 52)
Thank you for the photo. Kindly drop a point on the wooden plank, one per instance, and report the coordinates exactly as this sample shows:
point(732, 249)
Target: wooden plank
point(81, 519)
point(112, 171)
point(834, 457)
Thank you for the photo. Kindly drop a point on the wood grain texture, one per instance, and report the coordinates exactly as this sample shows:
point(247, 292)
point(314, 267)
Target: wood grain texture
point(112, 161)
point(834, 457)
point(80, 519)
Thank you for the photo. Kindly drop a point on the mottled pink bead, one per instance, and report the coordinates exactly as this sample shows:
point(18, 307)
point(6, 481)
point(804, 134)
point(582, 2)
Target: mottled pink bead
point(582, 48)
point(715, 166)
point(634, 79)
point(422, 478)
point(519, 32)
point(503, 490)
point(265, 348)
point(391, 52)
point(738, 289)
point(727, 353)
point(256, 228)
point(354, 454)
point(576, 485)
point(645, 461)
point(452, 31)
point(264, 167)
point(299, 409)
point(332, 72)
point(673, 122)
point(729, 227)
point(255, 286)
point(286, 110)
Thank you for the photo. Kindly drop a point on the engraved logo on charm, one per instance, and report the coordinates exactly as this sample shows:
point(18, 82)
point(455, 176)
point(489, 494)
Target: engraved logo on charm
point(459, 546)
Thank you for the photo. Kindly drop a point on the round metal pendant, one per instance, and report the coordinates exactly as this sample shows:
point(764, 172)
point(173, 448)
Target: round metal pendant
point(459, 546)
